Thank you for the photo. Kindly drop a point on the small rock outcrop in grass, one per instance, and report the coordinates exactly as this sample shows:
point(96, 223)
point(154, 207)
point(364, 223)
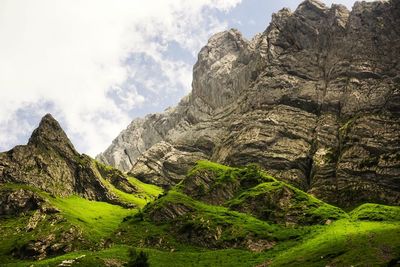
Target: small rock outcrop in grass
point(137, 258)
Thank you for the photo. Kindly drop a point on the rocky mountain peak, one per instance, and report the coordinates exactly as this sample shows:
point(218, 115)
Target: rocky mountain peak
point(50, 134)
point(308, 7)
point(313, 10)
point(215, 63)
point(313, 100)
point(220, 45)
point(50, 162)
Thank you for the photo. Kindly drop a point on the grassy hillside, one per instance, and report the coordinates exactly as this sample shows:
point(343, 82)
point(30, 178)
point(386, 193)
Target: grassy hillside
point(119, 255)
point(241, 217)
point(97, 219)
point(251, 190)
point(346, 243)
point(82, 223)
point(176, 221)
point(74, 224)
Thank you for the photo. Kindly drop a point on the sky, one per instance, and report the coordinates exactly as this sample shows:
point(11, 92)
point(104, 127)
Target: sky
point(95, 65)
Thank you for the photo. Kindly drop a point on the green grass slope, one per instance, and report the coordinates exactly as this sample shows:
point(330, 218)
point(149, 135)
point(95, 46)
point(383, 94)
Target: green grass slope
point(343, 243)
point(218, 216)
point(113, 179)
point(346, 243)
point(83, 223)
point(98, 220)
point(118, 255)
point(376, 212)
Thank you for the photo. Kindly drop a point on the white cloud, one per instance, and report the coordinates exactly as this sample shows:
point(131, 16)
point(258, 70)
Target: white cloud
point(72, 54)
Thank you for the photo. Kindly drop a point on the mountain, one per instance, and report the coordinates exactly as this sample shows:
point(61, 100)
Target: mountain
point(50, 162)
point(314, 100)
point(53, 199)
point(305, 119)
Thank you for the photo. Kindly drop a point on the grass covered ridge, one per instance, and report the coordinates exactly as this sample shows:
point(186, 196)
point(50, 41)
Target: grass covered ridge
point(248, 175)
point(119, 254)
point(250, 190)
point(376, 212)
point(343, 243)
point(283, 203)
point(113, 178)
point(197, 215)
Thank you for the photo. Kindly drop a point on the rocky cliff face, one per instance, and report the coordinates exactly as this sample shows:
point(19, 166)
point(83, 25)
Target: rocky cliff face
point(315, 100)
point(50, 162)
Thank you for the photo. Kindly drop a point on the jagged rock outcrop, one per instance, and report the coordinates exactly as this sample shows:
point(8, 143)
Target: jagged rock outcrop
point(50, 162)
point(314, 100)
point(50, 245)
point(13, 202)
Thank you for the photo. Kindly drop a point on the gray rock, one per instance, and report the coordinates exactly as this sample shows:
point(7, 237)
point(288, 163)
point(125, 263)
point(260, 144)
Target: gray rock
point(50, 245)
point(314, 99)
point(14, 202)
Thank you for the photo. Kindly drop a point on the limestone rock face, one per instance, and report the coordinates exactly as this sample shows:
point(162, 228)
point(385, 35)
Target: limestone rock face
point(50, 162)
point(314, 100)
point(217, 80)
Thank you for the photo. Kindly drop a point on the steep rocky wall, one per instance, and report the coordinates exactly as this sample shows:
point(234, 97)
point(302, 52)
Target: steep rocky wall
point(315, 100)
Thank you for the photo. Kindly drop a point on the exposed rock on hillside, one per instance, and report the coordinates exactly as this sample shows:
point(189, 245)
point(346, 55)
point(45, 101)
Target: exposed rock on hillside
point(32, 215)
point(14, 202)
point(51, 245)
point(314, 100)
point(191, 222)
point(250, 190)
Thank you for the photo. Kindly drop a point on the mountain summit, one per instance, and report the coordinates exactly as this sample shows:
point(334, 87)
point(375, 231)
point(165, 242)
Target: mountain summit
point(313, 99)
point(50, 133)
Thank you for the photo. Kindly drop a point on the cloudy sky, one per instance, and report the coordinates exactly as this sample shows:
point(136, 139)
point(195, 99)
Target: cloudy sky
point(98, 64)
